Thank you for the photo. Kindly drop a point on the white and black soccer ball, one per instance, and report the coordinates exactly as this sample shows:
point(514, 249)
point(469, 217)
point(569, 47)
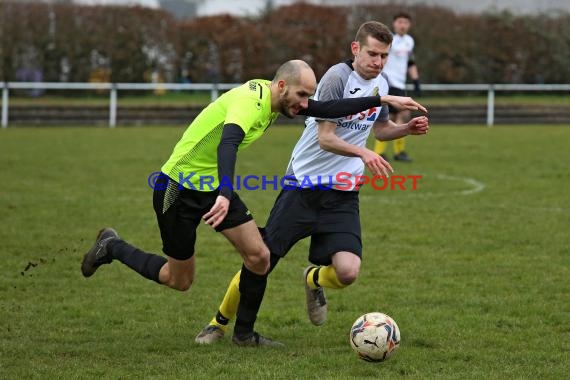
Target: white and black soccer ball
point(374, 337)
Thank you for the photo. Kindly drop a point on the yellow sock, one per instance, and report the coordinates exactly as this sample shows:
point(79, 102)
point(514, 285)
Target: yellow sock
point(399, 145)
point(229, 305)
point(326, 278)
point(380, 147)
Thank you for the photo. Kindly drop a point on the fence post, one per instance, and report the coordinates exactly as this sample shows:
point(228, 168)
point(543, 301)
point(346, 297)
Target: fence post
point(214, 91)
point(5, 105)
point(113, 106)
point(490, 106)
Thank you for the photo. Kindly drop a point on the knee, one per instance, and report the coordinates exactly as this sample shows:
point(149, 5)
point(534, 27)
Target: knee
point(258, 262)
point(182, 284)
point(348, 275)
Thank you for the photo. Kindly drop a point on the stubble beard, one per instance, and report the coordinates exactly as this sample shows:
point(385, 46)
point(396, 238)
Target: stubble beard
point(284, 105)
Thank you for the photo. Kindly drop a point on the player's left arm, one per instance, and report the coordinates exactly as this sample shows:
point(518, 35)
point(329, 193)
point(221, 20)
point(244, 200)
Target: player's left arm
point(332, 109)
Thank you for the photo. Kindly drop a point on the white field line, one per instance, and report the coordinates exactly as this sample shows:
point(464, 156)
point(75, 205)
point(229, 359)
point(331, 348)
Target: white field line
point(472, 186)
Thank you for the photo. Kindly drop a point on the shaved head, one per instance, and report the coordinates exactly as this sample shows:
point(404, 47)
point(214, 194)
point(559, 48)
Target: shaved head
point(292, 71)
point(294, 83)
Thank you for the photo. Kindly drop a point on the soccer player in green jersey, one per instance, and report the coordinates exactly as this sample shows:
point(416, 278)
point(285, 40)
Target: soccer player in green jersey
point(208, 150)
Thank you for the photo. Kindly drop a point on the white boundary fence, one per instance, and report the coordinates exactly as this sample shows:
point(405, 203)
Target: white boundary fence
point(215, 88)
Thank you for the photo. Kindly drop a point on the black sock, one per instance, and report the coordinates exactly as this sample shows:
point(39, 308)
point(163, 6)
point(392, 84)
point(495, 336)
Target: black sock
point(146, 264)
point(252, 288)
point(221, 319)
point(316, 277)
point(273, 261)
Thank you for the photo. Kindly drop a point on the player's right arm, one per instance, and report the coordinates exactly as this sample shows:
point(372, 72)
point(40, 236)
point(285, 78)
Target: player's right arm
point(232, 136)
point(241, 114)
point(329, 141)
point(332, 88)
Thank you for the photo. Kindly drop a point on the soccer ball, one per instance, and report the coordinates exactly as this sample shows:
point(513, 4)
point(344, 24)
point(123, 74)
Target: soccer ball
point(374, 337)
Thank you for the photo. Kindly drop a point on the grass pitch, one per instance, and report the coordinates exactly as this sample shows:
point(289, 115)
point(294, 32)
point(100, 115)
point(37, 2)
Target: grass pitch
point(474, 265)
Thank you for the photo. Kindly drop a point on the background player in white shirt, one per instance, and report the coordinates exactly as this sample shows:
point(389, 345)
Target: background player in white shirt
point(400, 63)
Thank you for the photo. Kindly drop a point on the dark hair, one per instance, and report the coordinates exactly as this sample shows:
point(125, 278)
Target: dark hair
point(374, 29)
point(402, 14)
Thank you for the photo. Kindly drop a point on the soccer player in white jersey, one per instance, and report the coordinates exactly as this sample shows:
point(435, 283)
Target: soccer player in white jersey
point(320, 203)
point(400, 62)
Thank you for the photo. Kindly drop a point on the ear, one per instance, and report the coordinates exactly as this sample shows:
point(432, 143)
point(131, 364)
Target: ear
point(354, 47)
point(281, 84)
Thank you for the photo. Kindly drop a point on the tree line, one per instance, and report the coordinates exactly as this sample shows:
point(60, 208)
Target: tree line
point(74, 43)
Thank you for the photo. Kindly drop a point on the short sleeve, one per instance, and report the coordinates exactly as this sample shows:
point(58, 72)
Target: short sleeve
point(331, 87)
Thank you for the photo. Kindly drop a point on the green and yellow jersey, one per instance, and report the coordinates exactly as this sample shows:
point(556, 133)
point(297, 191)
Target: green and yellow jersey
point(195, 156)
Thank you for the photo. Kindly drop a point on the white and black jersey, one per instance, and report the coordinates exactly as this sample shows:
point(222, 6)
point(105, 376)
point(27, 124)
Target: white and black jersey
point(396, 67)
point(309, 163)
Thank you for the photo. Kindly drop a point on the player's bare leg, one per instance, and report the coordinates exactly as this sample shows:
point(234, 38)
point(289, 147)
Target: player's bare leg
point(178, 274)
point(249, 243)
point(342, 272)
point(253, 280)
point(174, 273)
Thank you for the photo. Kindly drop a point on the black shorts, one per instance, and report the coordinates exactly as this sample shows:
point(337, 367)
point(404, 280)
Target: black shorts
point(330, 217)
point(396, 92)
point(179, 212)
